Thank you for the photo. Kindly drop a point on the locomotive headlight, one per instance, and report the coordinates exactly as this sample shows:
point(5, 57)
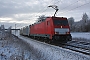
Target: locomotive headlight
point(56, 32)
point(67, 32)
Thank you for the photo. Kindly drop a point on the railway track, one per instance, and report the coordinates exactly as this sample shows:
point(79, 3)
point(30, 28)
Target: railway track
point(78, 46)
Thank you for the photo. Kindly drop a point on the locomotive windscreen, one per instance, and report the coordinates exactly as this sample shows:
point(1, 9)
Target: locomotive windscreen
point(60, 22)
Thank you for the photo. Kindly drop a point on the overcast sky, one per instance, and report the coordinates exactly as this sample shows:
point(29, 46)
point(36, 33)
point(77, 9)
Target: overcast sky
point(25, 12)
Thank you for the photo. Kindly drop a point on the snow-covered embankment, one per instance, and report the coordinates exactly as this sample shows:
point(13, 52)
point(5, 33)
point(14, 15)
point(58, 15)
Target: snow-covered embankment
point(43, 51)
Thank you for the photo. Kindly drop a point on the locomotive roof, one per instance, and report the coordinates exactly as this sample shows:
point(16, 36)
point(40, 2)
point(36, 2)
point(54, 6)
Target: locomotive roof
point(58, 17)
point(46, 18)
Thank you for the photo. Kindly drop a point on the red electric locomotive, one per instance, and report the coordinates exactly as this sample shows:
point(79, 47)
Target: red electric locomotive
point(52, 28)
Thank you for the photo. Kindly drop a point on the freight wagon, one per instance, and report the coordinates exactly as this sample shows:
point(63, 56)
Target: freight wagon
point(25, 31)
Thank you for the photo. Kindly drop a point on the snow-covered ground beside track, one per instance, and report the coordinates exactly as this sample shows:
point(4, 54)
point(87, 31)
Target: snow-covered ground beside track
point(85, 35)
point(81, 36)
point(44, 51)
point(12, 48)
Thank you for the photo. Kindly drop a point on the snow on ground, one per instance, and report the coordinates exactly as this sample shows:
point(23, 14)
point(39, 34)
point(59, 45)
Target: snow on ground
point(81, 36)
point(12, 48)
point(85, 35)
point(43, 51)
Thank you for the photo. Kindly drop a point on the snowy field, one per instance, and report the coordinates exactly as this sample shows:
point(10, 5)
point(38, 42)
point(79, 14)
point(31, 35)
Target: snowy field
point(81, 36)
point(12, 48)
point(85, 35)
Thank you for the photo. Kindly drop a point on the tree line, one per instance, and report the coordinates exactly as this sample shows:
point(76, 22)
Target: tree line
point(81, 26)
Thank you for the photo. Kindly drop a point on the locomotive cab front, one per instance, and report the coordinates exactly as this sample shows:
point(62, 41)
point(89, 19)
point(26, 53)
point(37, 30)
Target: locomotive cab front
point(61, 29)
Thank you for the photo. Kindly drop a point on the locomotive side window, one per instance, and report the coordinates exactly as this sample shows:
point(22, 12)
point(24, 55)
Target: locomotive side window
point(60, 22)
point(48, 23)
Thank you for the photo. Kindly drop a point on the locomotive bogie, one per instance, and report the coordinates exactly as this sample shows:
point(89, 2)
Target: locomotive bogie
point(62, 37)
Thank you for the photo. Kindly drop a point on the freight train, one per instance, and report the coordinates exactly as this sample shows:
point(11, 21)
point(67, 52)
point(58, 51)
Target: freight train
point(50, 29)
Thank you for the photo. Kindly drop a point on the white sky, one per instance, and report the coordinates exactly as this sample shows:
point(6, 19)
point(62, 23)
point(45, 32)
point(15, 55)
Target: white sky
point(25, 12)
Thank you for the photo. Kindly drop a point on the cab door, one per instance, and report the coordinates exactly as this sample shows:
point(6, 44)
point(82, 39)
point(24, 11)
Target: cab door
point(48, 27)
